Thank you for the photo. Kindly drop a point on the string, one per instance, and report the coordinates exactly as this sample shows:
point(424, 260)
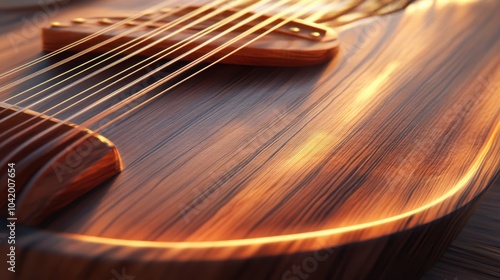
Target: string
point(151, 87)
point(186, 42)
point(102, 100)
point(402, 4)
point(151, 35)
point(87, 38)
point(284, 22)
point(113, 51)
point(378, 8)
point(395, 5)
point(79, 66)
point(178, 72)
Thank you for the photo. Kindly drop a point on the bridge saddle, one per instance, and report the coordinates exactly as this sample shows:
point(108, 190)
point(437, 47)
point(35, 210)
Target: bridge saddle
point(296, 43)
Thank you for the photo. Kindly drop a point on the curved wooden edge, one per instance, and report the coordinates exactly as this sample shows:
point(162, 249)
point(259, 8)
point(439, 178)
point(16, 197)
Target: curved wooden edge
point(70, 174)
point(391, 256)
point(54, 163)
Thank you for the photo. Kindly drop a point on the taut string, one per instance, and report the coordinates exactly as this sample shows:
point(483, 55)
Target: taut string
point(158, 56)
point(90, 37)
point(114, 52)
point(176, 73)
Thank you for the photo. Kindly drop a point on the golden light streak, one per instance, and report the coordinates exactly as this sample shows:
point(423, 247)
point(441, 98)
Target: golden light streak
point(463, 182)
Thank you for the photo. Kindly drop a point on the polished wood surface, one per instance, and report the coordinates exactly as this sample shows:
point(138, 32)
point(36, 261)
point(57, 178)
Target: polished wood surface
point(56, 175)
point(382, 152)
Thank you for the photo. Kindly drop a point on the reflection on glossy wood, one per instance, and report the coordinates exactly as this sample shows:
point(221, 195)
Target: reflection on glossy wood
point(371, 163)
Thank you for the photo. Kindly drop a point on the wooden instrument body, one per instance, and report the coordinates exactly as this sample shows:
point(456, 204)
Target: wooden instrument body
point(371, 162)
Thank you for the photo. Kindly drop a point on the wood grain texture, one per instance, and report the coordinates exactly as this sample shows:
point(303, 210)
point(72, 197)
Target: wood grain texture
point(383, 151)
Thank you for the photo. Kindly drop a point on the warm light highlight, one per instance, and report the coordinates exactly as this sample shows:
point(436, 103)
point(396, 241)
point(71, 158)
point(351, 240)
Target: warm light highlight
point(463, 182)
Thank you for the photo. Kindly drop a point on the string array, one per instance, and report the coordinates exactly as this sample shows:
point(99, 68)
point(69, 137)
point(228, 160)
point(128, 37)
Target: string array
point(288, 10)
